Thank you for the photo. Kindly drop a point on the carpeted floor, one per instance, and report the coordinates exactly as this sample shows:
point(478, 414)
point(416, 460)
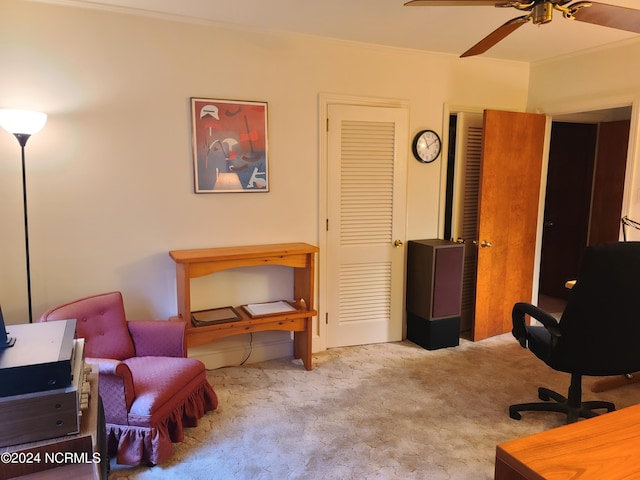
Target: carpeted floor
point(385, 411)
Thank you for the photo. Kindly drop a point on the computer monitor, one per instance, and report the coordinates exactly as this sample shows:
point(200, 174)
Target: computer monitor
point(5, 340)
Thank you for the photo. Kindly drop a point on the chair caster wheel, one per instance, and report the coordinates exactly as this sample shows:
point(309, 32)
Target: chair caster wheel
point(515, 415)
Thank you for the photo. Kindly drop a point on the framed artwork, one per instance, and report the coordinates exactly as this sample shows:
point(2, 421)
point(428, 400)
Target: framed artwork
point(230, 151)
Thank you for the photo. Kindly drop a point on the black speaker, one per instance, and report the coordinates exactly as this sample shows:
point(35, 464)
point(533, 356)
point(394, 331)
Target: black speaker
point(434, 292)
point(433, 334)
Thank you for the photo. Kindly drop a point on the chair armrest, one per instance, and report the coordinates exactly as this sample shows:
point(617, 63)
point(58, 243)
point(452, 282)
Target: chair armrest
point(159, 338)
point(116, 388)
point(518, 313)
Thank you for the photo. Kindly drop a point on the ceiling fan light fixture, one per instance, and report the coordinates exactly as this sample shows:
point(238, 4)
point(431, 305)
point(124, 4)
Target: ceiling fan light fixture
point(542, 13)
point(518, 5)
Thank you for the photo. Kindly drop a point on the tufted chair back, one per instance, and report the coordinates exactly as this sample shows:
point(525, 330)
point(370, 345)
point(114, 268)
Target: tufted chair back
point(101, 321)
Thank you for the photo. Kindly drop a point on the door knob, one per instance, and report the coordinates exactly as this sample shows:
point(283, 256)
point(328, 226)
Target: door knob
point(398, 243)
point(485, 244)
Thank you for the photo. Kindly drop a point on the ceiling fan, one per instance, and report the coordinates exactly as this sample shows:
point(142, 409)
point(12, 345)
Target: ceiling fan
point(541, 11)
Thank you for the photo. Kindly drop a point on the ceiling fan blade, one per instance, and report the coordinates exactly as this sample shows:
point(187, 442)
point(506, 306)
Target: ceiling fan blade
point(452, 3)
point(621, 18)
point(494, 37)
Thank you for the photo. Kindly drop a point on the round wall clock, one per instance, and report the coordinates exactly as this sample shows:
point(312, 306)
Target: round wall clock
point(426, 146)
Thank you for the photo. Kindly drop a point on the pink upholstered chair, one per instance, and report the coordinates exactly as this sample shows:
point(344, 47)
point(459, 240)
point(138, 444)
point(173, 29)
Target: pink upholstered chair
point(149, 389)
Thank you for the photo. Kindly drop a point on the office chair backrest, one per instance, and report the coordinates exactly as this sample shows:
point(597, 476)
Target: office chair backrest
point(601, 324)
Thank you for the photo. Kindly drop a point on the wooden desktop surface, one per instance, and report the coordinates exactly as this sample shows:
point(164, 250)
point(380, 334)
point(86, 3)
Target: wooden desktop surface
point(606, 447)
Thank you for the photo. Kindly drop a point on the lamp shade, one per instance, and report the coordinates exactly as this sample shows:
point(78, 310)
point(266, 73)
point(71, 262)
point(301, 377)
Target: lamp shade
point(25, 122)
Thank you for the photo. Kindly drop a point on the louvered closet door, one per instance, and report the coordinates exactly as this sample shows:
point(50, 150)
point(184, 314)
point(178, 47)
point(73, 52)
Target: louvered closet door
point(465, 205)
point(366, 181)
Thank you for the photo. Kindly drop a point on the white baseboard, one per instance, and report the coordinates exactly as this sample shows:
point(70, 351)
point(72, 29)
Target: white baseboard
point(240, 349)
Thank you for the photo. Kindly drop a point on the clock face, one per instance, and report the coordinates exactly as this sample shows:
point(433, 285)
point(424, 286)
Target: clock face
point(426, 146)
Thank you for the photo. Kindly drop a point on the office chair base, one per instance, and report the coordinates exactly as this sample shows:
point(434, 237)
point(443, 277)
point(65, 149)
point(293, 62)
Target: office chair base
point(561, 404)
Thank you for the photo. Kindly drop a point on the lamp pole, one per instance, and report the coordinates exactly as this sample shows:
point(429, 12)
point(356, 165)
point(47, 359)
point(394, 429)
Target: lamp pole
point(22, 140)
point(22, 124)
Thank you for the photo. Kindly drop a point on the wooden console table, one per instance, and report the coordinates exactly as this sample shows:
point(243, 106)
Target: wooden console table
point(603, 447)
point(200, 262)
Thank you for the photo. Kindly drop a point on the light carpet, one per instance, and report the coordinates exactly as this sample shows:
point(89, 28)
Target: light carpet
point(383, 411)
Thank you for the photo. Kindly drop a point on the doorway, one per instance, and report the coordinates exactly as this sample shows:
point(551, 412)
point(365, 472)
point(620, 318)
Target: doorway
point(496, 192)
point(567, 205)
point(611, 116)
point(584, 195)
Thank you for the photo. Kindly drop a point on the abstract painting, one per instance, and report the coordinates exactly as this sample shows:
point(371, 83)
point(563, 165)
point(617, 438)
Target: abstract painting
point(230, 150)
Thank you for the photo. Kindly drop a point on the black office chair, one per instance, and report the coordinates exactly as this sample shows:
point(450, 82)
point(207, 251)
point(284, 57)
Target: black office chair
point(597, 335)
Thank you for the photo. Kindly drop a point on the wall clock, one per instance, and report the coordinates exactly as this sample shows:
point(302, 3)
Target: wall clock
point(426, 146)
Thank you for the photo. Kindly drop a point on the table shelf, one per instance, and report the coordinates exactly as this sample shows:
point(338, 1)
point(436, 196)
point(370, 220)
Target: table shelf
point(200, 262)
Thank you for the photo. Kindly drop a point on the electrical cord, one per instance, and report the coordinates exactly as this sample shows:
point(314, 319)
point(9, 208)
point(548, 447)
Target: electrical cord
point(250, 349)
point(242, 362)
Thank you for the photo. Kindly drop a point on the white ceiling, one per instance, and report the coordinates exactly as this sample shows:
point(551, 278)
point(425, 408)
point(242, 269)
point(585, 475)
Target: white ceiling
point(388, 22)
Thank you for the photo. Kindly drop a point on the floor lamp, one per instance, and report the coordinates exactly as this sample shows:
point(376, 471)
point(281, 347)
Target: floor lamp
point(23, 124)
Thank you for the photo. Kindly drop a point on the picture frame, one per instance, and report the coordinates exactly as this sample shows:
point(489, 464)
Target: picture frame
point(230, 146)
point(214, 316)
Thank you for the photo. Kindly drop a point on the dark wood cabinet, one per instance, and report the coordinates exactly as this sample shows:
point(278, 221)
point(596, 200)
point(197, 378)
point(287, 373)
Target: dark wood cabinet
point(79, 455)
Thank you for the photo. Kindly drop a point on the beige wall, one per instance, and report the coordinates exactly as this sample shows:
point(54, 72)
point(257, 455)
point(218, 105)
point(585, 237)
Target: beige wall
point(110, 177)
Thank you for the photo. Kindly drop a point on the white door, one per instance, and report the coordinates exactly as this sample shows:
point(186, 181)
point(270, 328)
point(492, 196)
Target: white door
point(366, 223)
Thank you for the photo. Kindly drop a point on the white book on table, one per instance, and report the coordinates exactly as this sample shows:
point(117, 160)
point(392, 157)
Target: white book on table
point(269, 308)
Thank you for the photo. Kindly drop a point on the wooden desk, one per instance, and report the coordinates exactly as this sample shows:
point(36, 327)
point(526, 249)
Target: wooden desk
point(199, 262)
point(601, 448)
